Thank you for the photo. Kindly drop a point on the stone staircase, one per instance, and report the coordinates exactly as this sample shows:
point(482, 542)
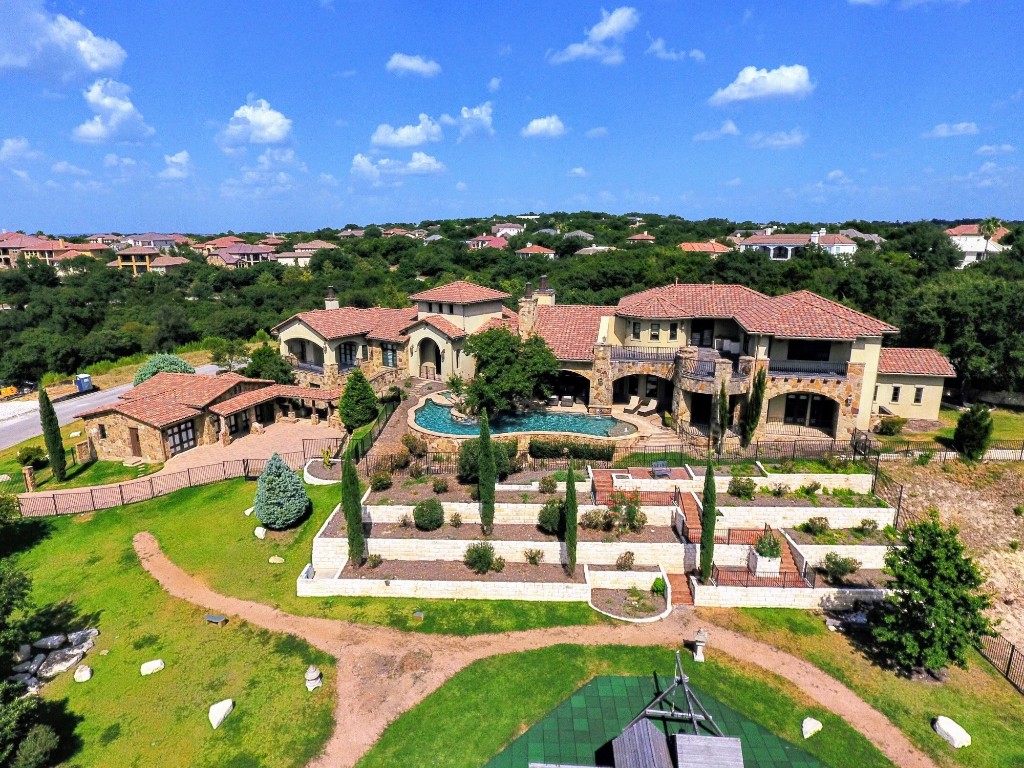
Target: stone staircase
point(680, 584)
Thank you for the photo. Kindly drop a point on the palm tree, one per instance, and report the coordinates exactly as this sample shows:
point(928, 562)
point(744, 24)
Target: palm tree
point(988, 229)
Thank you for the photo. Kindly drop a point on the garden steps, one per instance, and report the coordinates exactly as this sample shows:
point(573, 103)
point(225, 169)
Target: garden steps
point(681, 594)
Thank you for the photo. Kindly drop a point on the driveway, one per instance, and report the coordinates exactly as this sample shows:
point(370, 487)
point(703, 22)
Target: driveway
point(21, 428)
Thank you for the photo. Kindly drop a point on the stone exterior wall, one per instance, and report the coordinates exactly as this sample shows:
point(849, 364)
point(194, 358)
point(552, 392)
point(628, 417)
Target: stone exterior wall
point(117, 444)
point(841, 391)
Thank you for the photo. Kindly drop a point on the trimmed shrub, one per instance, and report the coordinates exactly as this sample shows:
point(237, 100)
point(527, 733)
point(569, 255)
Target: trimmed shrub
point(32, 456)
point(658, 587)
point(281, 499)
point(469, 460)
point(973, 432)
point(742, 488)
point(358, 405)
point(550, 518)
point(455, 520)
point(868, 526)
point(161, 364)
point(624, 562)
point(838, 568)
point(374, 560)
point(36, 748)
point(548, 448)
point(533, 556)
point(891, 425)
point(428, 515)
point(547, 484)
point(768, 545)
point(415, 444)
point(380, 481)
point(415, 470)
point(816, 526)
point(480, 557)
point(440, 485)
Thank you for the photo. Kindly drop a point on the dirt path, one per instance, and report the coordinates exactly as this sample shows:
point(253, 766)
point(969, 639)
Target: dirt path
point(383, 672)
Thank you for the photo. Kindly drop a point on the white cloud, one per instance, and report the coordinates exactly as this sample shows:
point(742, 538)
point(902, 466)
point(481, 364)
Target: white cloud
point(597, 133)
point(33, 38)
point(66, 168)
point(995, 149)
point(603, 40)
point(659, 49)
point(403, 64)
point(255, 122)
point(116, 118)
point(578, 172)
point(23, 175)
point(471, 120)
point(271, 176)
point(177, 166)
point(460, 186)
point(420, 164)
point(494, 84)
point(837, 177)
point(408, 135)
point(734, 182)
point(547, 127)
point(112, 160)
point(728, 128)
point(947, 130)
point(697, 54)
point(329, 180)
point(752, 83)
point(17, 148)
point(778, 139)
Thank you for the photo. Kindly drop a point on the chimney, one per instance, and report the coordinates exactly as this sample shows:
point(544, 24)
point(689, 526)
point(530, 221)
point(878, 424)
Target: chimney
point(543, 283)
point(331, 300)
point(529, 290)
point(545, 296)
point(814, 237)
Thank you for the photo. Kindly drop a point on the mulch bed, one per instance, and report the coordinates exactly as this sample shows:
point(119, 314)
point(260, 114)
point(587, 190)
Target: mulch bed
point(450, 570)
point(619, 603)
point(699, 471)
point(320, 472)
point(862, 579)
point(336, 527)
point(411, 492)
point(651, 534)
point(842, 536)
point(640, 568)
point(767, 500)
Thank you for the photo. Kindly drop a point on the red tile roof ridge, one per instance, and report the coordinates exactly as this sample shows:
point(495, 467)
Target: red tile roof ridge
point(443, 324)
point(915, 361)
point(460, 292)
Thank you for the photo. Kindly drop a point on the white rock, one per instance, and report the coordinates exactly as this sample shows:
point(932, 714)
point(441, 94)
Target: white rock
point(219, 711)
point(260, 532)
point(952, 732)
point(312, 685)
point(83, 673)
point(151, 666)
point(276, 560)
point(811, 727)
point(249, 511)
point(313, 672)
point(51, 643)
point(24, 653)
point(4, 478)
point(83, 647)
point(58, 662)
point(76, 434)
point(82, 635)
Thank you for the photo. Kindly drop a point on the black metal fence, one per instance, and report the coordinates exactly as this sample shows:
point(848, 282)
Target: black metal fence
point(359, 448)
point(924, 451)
point(1007, 658)
point(72, 502)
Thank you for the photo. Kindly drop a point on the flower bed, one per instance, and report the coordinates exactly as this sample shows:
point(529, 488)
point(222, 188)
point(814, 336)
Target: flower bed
point(865, 578)
point(628, 603)
point(414, 491)
point(650, 534)
point(834, 500)
point(843, 537)
point(320, 472)
point(452, 570)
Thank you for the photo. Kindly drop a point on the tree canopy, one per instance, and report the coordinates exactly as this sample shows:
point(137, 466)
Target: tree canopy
point(266, 362)
point(161, 364)
point(509, 370)
point(358, 405)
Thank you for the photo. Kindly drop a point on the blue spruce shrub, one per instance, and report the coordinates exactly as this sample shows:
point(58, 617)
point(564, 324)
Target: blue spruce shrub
point(281, 499)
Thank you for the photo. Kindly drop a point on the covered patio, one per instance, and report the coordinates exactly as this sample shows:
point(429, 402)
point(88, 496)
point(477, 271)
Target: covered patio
point(253, 412)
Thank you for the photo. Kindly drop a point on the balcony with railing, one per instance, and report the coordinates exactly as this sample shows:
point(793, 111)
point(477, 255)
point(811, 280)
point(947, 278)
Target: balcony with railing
point(699, 369)
point(634, 352)
point(808, 369)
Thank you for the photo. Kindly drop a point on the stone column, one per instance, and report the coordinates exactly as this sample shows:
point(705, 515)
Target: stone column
point(30, 478)
point(330, 374)
point(686, 357)
point(601, 380)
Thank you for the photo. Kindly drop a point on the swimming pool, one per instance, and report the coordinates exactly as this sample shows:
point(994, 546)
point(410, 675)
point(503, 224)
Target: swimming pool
point(438, 418)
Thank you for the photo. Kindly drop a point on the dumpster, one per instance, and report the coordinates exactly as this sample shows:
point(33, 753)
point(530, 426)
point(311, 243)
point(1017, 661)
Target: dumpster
point(83, 382)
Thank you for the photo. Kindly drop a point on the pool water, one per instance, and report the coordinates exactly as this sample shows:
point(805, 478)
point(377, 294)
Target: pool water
point(438, 418)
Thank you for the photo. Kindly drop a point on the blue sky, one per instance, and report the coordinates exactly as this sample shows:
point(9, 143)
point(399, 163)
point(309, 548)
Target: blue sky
point(207, 116)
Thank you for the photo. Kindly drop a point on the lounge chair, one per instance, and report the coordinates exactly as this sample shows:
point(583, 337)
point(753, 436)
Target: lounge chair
point(632, 405)
point(553, 400)
point(647, 407)
point(660, 469)
point(567, 401)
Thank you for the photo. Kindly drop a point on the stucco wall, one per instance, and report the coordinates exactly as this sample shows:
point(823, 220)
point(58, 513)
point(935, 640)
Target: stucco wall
point(929, 405)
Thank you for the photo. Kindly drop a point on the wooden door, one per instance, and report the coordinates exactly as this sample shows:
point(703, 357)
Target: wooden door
point(133, 438)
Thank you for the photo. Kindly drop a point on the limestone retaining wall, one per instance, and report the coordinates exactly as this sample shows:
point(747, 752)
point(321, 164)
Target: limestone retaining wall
point(870, 557)
point(642, 580)
point(790, 517)
point(860, 483)
point(504, 514)
point(774, 597)
point(461, 590)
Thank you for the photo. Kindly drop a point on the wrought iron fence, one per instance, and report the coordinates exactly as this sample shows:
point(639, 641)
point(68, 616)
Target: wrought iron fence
point(742, 577)
point(634, 352)
point(807, 368)
point(1007, 658)
point(359, 448)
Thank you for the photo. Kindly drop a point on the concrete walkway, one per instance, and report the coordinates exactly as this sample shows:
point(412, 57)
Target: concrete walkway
point(384, 672)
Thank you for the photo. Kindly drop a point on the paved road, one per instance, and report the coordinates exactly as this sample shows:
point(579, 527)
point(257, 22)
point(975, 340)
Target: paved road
point(14, 431)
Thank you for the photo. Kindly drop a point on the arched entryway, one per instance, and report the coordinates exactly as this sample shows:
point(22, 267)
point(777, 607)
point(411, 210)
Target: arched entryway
point(571, 384)
point(799, 411)
point(646, 386)
point(429, 359)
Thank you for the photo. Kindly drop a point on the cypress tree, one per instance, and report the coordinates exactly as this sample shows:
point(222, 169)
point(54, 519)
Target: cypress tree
point(723, 417)
point(51, 435)
point(571, 521)
point(358, 404)
point(488, 475)
point(353, 512)
point(707, 524)
point(752, 414)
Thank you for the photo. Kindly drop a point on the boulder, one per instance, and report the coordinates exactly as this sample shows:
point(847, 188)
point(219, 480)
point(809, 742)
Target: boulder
point(21, 677)
point(84, 647)
point(36, 663)
point(25, 666)
point(249, 511)
point(58, 662)
point(75, 638)
point(83, 673)
point(313, 672)
point(33, 684)
point(51, 643)
point(151, 666)
point(260, 532)
point(811, 727)
point(24, 653)
point(219, 711)
point(952, 732)
point(276, 559)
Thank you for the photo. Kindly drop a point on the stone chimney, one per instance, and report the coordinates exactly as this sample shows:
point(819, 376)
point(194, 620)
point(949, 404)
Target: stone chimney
point(545, 296)
point(527, 312)
point(529, 290)
point(331, 300)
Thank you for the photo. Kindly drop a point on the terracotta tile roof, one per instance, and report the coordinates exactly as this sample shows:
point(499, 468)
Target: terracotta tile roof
point(535, 249)
point(221, 242)
point(154, 236)
point(255, 397)
point(967, 230)
point(799, 239)
point(87, 246)
point(375, 323)
point(571, 329)
point(915, 362)
point(314, 245)
point(797, 315)
point(168, 261)
point(488, 241)
point(509, 320)
point(709, 247)
point(239, 249)
point(155, 411)
point(192, 389)
point(591, 249)
point(643, 236)
point(442, 324)
point(26, 242)
point(460, 292)
point(139, 250)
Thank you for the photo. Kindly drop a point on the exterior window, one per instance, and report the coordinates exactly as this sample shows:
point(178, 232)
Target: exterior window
point(636, 330)
point(389, 355)
point(895, 394)
point(181, 437)
point(451, 309)
point(103, 432)
point(655, 331)
point(348, 354)
point(876, 394)
point(918, 395)
point(365, 351)
point(673, 331)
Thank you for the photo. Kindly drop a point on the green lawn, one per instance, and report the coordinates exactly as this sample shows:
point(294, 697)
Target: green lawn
point(494, 700)
point(816, 467)
point(122, 719)
point(1006, 425)
point(979, 698)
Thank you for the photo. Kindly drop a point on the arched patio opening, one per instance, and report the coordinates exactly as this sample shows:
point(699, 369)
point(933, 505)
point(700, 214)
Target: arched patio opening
point(645, 386)
point(571, 384)
point(429, 359)
point(797, 412)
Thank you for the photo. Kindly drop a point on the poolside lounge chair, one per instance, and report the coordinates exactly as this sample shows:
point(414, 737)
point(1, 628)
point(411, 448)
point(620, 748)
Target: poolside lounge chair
point(632, 405)
point(567, 401)
point(553, 400)
point(647, 407)
point(660, 469)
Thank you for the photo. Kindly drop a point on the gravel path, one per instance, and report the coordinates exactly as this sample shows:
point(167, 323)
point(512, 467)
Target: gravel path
point(383, 672)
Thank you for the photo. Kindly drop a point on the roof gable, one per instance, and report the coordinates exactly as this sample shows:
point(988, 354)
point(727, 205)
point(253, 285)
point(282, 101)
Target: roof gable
point(915, 361)
point(460, 292)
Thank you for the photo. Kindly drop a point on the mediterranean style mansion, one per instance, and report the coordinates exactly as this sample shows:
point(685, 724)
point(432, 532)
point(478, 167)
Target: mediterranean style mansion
point(676, 346)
